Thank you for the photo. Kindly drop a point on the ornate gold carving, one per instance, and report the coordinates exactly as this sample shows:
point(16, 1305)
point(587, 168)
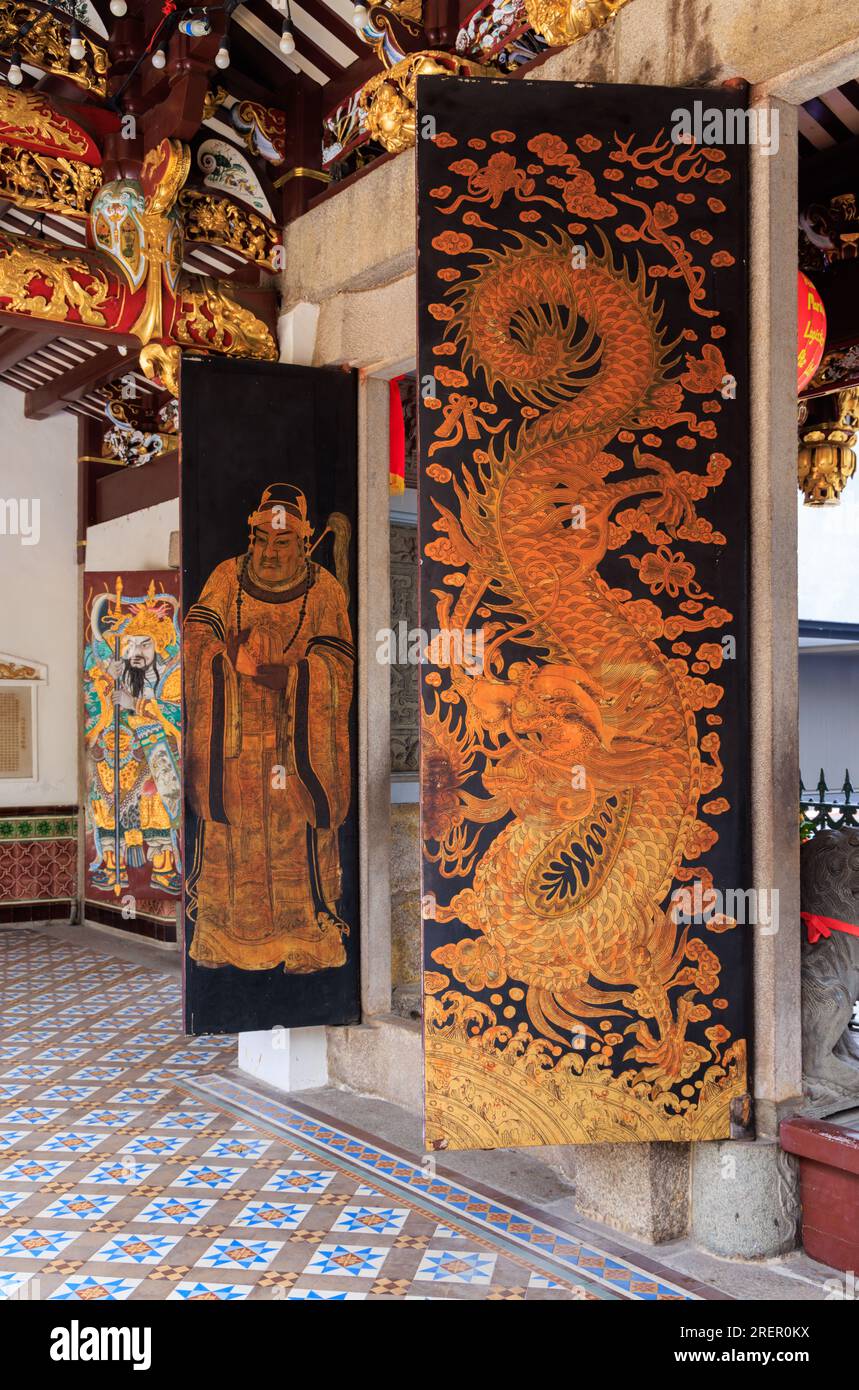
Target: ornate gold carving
point(12, 671)
point(27, 118)
point(209, 320)
point(25, 269)
point(389, 97)
point(45, 44)
point(161, 364)
point(47, 183)
point(406, 9)
point(163, 172)
point(561, 22)
point(827, 457)
point(214, 98)
point(221, 222)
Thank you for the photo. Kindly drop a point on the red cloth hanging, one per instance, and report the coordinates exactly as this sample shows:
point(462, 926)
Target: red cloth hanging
point(397, 438)
point(825, 926)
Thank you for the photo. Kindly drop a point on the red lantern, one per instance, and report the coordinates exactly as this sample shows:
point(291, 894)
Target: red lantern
point(397, 438)
point(811, 331)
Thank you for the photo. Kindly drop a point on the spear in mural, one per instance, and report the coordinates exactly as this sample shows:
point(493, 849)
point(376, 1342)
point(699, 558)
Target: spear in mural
point(117, 686)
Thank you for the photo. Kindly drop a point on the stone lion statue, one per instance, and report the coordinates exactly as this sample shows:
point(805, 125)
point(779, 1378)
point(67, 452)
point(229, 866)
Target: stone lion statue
point(829, 888)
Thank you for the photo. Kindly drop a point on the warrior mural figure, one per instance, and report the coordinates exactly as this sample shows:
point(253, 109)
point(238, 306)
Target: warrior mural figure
point(132, 699)
point(268, 687)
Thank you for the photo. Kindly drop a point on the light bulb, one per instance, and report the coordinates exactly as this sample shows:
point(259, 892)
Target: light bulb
point(159, 57)
point(15, 75)
point(360, 16)
point(287, 38)
point(76, 43)
point(118, 8)
point(199, 26)
point(222, 57)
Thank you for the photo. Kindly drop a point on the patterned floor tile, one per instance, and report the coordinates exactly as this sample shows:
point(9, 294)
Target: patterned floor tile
point(456, 1267)
point(379, 1221)
point(292, 1180)
point(80, 1206)
point(176, 1211)
point(239, 1254)
point(168, 1183)
point(111, 1119)
point(32, 1170)
point(90, 1288)
point(195, 1291)
point(280, 1216)
point(329, 1295)
point(121, 1172)
point(15, 1284)
point(34, 1244)
point(363, 1261)
point(67, 1142)
point(204, 1176)
point(135, 1247)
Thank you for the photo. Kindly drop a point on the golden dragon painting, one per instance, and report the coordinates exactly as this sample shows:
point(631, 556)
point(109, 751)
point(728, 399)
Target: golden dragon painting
point(568, 777)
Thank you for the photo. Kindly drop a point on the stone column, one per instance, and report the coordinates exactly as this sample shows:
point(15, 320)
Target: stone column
point(744, 1195)
point(374, 697)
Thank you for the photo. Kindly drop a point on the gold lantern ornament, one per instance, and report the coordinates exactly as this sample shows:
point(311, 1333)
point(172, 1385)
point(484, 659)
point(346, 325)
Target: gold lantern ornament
point(827, 454)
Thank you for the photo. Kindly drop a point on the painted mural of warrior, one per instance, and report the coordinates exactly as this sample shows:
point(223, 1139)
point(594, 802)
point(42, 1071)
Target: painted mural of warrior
point(269, 666)
point(133, 700)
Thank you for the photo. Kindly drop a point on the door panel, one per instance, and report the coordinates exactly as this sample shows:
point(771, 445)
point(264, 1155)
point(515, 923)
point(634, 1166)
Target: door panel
point(269, 510)
point(584, 503)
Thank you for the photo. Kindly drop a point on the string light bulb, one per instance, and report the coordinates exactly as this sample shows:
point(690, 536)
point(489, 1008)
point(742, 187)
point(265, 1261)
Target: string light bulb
point(222, 57)
point(15, 74)
point(76, 43)
point(118, 8)
point(159, 57)
point(196, 25)
point(360, 16)
point(287, 37)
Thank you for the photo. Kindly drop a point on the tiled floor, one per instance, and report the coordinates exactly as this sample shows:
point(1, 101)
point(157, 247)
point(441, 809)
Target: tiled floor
point(132, 1167)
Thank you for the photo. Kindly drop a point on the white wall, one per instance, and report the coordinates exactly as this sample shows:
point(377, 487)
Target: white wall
point(39, 590)
point(829, 559)
point(829, 716)
point(140, 541)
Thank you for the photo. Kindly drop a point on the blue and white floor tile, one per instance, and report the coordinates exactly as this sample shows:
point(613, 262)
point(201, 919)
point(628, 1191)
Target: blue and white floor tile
point(133, 1167)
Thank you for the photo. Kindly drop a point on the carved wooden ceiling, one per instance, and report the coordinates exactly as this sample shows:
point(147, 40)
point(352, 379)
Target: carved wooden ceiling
point(263, 101)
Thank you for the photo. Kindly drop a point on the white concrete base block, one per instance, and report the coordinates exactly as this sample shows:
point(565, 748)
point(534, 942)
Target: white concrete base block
point(291, 1059)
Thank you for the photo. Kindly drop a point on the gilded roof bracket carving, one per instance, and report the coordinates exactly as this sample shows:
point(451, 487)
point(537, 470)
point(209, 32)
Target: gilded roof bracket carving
point(42, 39)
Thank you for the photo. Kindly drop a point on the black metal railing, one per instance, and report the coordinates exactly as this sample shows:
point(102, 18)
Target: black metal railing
point(827, 808)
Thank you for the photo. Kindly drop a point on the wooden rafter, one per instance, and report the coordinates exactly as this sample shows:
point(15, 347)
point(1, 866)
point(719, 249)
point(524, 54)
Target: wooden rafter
point(18, 343)
point(71, 386)
point(304, 46)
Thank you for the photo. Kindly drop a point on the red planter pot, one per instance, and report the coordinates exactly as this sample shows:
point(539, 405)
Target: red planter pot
point(829, 1188)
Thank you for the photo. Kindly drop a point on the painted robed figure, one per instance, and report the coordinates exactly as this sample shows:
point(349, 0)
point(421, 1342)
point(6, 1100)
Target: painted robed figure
point(268, 687)
point(132, 687)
